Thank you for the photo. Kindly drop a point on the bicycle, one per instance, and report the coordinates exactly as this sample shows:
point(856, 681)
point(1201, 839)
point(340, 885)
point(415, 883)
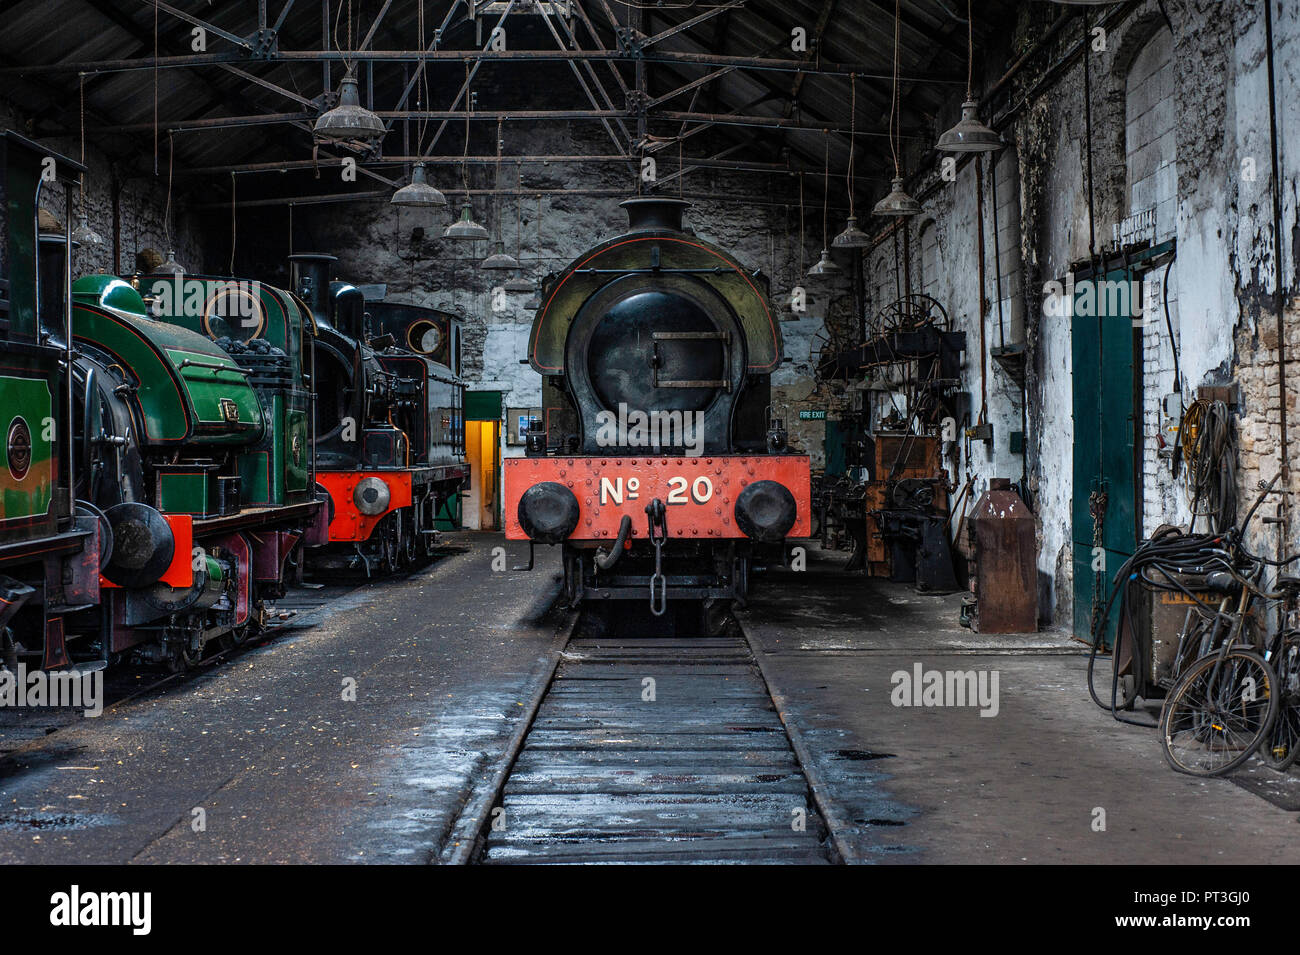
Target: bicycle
point(1225, 701)
point(1281, 745)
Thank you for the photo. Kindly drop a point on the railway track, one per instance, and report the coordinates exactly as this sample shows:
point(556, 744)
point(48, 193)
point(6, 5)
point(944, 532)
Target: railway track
point(654, 750)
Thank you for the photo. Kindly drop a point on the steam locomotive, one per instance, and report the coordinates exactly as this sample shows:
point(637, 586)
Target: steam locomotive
point(656, 463)
point(162, 475)
point(162, 482)
point(391, 450)
point(197, 458)
point(50, 543)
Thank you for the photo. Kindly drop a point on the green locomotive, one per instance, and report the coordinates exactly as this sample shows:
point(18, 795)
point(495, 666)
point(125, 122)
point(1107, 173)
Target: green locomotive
point(157, 487)
point(50, 546)
point(203, 471)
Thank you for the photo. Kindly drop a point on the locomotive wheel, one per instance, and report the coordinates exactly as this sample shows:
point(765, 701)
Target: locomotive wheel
point(182, 658)
point(411, 541)
point(235, 636)
point(387, 550)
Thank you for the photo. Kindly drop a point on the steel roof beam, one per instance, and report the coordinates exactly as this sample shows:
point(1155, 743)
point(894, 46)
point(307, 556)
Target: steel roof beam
point(292, 165)
point(284, 12)
point(239, 41)
point(577, 74)
point(692, 22)
point(508, 192)
point(757, 63)
point(508, 115)
point(595, 37)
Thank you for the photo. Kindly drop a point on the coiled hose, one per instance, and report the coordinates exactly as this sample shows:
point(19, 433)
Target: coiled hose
point(1209, 447)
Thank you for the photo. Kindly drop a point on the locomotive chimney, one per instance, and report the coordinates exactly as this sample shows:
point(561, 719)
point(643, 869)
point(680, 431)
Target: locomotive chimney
point(309, 274)
point(654, 214)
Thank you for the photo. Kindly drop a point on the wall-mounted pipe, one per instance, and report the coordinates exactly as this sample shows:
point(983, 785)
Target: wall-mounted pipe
point(982, 303)
point(115, 197)
point(1283, 507)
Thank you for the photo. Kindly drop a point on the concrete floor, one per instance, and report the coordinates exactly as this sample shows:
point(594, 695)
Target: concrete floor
point(944, 784)
point(285, 769)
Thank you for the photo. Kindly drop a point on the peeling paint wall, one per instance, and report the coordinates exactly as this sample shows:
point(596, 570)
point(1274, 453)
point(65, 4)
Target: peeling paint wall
point(1178, 120)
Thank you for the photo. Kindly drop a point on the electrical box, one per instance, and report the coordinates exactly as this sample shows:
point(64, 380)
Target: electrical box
point(1171, 419)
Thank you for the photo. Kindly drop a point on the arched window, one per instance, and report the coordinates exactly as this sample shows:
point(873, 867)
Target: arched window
point(1009, 310)
point(1150, 144)
point(929, 283)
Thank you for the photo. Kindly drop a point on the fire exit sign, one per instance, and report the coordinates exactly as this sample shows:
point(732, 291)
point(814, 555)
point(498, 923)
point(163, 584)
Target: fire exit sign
point(818, 415)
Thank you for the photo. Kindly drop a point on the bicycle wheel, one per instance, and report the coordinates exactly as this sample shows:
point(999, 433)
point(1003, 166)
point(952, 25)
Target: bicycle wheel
point(1218, 712)
point(1282, 743)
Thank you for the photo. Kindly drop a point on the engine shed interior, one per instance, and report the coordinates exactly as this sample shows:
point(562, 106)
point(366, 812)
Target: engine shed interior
point(892, 398)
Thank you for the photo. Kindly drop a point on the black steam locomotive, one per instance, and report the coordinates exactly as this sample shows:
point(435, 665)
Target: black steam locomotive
point(390, 420)
point(656, 462)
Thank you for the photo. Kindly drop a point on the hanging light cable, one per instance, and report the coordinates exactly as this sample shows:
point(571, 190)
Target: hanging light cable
point(349, 120)
point(500, 260)
point(970, 135)
point(802, 240)
point(465, 229)
point(825, 265)
point(520, 283)
point(83, 234)
point(418, 193)
point(171, 266)
point(898, 202)
point(852, 237)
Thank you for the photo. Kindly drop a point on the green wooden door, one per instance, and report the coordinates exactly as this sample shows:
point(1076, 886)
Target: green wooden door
point(835, 465)
point(1105, 349)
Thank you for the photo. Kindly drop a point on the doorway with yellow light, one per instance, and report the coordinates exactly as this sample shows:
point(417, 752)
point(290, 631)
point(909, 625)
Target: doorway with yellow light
point(482, 501)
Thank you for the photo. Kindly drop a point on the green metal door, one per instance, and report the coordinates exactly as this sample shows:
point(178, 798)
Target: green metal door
point(835, 465)
point(1106, 392)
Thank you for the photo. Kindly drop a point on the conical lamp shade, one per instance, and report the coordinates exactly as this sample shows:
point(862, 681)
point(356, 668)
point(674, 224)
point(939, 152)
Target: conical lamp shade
point(500, 260)
point(465, 228)
point(85, 235)
point(418, 193)
point(349, 120)
point(171, 266)
point(825, 265)
point(852, 237)
point(970, 135)
point(520, 284)
point(897, 203)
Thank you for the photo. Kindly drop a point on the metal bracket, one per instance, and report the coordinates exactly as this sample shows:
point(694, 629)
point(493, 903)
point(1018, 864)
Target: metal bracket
point(264, 44)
